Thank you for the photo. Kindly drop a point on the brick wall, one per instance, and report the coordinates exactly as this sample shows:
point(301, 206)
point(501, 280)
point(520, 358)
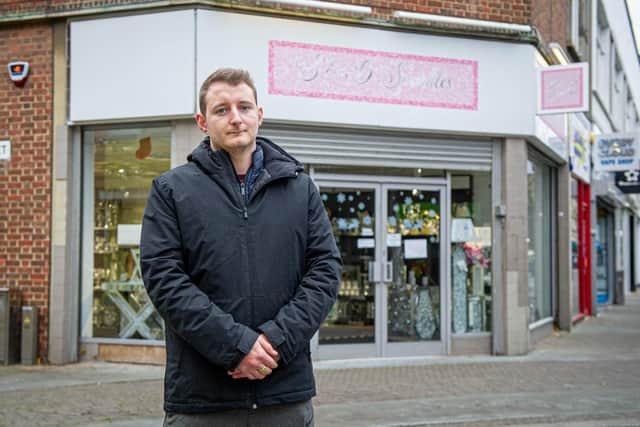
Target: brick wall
point(25, 180)
point(550, 17)
point(513, 11)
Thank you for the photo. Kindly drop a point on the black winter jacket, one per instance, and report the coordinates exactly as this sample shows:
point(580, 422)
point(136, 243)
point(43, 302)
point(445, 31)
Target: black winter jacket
point(220, 271)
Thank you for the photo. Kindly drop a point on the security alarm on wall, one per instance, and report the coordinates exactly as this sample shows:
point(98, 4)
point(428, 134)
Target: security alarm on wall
point(18, 72)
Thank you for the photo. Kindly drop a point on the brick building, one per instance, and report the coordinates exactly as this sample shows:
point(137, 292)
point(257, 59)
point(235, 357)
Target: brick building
point(449, 128)
point(25, 181)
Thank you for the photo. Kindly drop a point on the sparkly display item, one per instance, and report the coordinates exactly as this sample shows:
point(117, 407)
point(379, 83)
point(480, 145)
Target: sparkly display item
point(425, 319)
point(459, 290)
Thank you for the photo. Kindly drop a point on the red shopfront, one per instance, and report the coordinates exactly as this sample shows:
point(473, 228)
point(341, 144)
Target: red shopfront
point(580, 159)
point(584, 252)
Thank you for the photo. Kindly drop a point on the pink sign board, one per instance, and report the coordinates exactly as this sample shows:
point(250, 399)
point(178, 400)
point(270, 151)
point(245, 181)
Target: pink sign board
point(563, 89)
point(316, 71)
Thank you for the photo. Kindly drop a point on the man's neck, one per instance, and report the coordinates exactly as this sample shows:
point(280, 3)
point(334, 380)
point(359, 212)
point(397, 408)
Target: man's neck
point(241, 159)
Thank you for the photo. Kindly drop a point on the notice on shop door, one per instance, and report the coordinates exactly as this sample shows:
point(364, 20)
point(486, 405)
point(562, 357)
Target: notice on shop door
point(415, 248)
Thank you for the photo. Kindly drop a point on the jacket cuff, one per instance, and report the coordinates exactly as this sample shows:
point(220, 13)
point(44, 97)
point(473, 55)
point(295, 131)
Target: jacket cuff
point(248, 338)
point(276, 337)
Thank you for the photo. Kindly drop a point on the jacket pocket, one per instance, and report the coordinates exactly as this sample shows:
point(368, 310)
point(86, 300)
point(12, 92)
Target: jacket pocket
point(209, 383)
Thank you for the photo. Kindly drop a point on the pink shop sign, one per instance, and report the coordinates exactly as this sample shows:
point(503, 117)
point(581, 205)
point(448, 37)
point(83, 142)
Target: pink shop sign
point(563, 88)
point(308, 70)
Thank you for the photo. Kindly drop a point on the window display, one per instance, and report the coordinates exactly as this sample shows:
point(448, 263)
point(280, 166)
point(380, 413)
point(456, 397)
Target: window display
point(124, 163)
point(352, 214)
point(471, 279)
point(413, 247)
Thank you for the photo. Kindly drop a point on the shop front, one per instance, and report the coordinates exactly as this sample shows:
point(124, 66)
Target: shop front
point(119, 165)
point(415, 235)
point(580, 217)
point(416, 239)
point(615, 157)
point(410, 170)
point(605, 252)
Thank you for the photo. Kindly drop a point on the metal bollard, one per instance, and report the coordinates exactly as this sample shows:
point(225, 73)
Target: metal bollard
point(29, 347)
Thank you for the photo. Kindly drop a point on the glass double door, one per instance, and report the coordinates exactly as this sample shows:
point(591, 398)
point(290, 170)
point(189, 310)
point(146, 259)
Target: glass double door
point(392, 289)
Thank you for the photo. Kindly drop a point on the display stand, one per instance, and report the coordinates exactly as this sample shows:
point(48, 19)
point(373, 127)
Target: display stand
point(131, 299)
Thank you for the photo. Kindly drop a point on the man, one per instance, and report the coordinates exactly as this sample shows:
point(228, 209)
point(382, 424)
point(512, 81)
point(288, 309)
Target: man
point(239, 258)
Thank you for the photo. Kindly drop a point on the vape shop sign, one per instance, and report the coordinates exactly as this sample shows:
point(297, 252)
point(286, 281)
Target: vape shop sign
point(616, 152)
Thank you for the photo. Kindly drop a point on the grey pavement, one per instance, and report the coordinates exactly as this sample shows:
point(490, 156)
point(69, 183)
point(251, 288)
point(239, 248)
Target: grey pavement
point(590, 377)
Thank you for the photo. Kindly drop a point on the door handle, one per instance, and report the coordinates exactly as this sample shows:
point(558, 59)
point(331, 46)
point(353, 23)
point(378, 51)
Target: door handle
point(388, 271)
point(375, 275)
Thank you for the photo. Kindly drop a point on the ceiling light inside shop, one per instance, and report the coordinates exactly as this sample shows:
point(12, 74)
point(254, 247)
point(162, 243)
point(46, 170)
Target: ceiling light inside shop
point(120, 170)
point(415, 192)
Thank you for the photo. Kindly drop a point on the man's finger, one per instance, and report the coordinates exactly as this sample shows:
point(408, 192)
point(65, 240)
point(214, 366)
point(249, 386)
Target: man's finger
point(266, 345)
point(269, 362)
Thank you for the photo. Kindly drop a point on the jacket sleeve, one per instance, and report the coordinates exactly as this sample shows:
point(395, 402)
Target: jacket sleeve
point(184, 307)
point(296, 322)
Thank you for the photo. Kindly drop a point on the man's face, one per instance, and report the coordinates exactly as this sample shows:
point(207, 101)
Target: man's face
point(232, 117)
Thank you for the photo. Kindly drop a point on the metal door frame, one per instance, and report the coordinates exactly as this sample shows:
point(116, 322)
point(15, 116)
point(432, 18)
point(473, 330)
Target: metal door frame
point(421, 348)
point(342, 351)
point(380, 348)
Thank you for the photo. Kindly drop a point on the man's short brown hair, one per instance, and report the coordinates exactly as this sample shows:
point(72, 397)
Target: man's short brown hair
point(231, 76)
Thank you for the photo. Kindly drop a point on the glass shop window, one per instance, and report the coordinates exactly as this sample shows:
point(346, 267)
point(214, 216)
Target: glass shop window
point(471, 252)
point(124, 163)
point(539, 245)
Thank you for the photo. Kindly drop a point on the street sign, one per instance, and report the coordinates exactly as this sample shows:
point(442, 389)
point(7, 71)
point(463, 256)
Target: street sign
point(5, 150)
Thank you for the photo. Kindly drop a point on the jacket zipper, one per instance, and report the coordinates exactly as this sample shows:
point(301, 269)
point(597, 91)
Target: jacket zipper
point(244, 200)
point(243, 191)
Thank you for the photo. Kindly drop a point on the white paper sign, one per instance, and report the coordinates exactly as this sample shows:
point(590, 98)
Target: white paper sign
point(5, 150)
point(462, 230)
point(366, 231)
point(129, 234)
point(366, 243)
point(415, 248)
point(394, 240)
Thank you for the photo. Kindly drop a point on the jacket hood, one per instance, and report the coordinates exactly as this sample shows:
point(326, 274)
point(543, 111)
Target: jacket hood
point(277, 161)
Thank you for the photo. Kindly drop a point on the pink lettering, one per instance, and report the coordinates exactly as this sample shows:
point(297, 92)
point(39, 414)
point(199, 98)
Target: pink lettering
point(299, 69)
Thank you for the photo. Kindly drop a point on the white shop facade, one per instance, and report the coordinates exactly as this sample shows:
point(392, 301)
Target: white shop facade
point(408, 136)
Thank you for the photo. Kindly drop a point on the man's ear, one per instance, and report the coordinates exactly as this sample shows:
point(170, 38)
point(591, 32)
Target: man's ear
point(201, 121)
point(260, 116)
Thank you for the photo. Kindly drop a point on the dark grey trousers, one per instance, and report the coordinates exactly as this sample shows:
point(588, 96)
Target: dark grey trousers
point(291, 415)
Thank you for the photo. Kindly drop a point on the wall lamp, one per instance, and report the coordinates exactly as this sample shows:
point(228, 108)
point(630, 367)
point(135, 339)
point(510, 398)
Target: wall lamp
point(559, 53)
point(323, 5)
point(462, 21)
